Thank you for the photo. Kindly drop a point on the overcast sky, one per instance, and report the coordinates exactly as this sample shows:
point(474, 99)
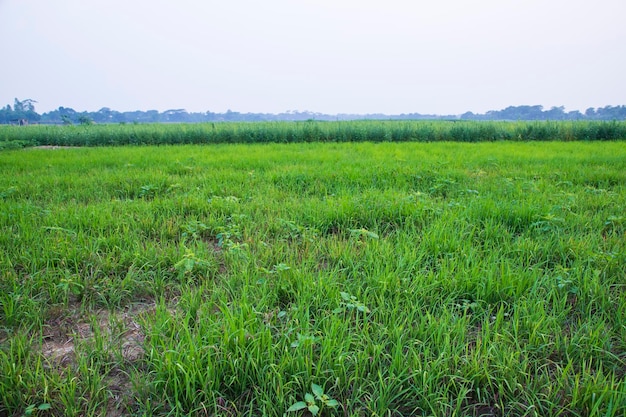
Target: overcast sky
point(328, 56)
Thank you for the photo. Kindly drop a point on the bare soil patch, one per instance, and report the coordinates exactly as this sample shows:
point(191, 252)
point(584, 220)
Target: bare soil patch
point(71, 332)
point(53, 147)
point(67, 329)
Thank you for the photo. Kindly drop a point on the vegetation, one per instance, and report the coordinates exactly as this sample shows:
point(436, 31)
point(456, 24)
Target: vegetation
point(25, 111)
point(21, 112)
point(311, 131)
point(434, 279)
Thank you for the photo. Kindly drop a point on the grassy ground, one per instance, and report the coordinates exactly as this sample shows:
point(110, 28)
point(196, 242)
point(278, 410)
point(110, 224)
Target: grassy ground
point(399, 279)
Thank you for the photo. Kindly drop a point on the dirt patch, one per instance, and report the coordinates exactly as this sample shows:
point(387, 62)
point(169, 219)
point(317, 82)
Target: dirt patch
point(119, 385)
point(119, 330)
point(53, 147)
point(117, 335)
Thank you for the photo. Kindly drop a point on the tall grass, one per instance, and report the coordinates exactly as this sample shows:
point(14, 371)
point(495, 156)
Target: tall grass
point(312, 131)
point(438, 279)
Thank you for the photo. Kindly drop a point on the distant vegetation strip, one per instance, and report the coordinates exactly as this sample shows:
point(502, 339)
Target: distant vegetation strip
point(23, 112)
point(313, 131)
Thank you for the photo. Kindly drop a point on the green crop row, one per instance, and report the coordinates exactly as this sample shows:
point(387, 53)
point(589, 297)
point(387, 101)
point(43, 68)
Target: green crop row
point(312, 131)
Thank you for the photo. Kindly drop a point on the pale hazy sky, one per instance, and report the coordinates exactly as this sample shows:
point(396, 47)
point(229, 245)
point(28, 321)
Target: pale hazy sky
point(329, 56)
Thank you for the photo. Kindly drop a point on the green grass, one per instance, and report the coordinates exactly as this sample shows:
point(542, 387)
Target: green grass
point(14, 137)
point(432, 279)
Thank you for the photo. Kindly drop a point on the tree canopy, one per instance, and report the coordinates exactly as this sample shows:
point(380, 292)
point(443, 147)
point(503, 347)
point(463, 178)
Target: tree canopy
point(24, 110)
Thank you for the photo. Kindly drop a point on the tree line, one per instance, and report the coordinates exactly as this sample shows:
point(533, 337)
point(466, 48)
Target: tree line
point(23, 112)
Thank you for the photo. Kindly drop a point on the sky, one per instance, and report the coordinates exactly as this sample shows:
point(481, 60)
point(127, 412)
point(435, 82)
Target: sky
point(328, 56)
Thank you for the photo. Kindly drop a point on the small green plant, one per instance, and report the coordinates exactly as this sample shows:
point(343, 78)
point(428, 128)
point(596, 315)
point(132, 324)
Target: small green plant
point(276, 269)
point(614, 224)
point(69, 285)
point(563, 283)
point(230, 236)
point(31, 409)
point(8, 192)
point(362, 234)
point(442, 187)
point(305, 340)
point(191, 263)
point(547, 223)
point(227, 199)
point(350, 302)
point(296, 232)
point(193, 230)
point(148, 191)
point(311, 401)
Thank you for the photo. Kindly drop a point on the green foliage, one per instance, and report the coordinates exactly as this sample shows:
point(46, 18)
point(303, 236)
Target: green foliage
point(190, 264)
point(363, 233)
point(350, 302)
point(311, 401)
point(403, 278)
point(10, 191)
point(88, 134)
point(85, 120)
point(31, 409)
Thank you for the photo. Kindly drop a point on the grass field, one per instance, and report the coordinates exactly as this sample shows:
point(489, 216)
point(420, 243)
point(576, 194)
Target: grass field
point(354, 279)
point(13, 137)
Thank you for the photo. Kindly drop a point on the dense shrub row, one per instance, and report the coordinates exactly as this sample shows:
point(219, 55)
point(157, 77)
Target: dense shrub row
point(310, 131)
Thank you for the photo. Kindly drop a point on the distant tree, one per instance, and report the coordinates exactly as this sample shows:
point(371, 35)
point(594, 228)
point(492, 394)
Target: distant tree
point(68, 111)
point(556, 113)
point(104, 115)
point(575, 115)
point(175, 115)
point(516, 113)
point(24, 111)
point(6, 114)
point(232, 116)
point(18, 106)
point(85, 120)
point(611, 113)
point(152, 116)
